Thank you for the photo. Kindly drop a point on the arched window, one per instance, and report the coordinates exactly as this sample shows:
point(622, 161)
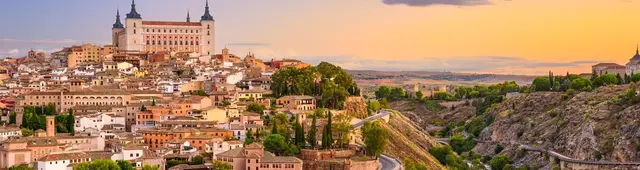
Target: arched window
point(134, 24)
point(191, 42)
point(170, 42)
point(134, 31)
point(197, 43)
point(180, 42)
point(208, 33)
point(147, 42)
point(208, 26)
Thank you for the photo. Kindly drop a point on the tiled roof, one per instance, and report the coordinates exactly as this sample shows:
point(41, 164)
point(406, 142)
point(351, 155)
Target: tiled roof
point(236, 152)
point(64, 156)
point(271, 158)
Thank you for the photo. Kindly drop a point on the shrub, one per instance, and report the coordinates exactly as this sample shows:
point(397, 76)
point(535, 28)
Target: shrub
point(500, 162)
point(498, 149)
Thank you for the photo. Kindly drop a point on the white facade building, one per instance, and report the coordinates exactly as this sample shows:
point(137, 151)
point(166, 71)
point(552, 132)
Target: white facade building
point(155, 36)
point(98, 121)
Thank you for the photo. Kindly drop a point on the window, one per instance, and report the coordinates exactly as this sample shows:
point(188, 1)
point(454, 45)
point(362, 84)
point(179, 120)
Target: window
point(134, 24)
point(134, 31)
point(208, 26)
point(208, 32)
point(165, 42)
point(148, 42)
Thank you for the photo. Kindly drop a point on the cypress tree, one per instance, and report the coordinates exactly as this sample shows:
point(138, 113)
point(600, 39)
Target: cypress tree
point(329, 132)
point(325, 142)
point(70, 122)
point(153, 102)
point(311, 136)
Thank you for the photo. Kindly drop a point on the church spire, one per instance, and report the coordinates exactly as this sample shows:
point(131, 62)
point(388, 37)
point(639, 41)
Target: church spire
point(134, 13)
point(118, 24)
point(188, 18)
point(207, 15)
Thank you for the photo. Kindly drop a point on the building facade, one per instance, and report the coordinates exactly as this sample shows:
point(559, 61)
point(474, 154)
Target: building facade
point(158, 36)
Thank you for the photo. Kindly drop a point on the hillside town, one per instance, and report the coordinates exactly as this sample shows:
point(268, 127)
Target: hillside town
point(160, 97)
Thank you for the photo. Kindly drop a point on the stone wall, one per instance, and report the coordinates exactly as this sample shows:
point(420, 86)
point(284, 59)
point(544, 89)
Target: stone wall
point(364, 165)
point(356, 106)
point(581, 166)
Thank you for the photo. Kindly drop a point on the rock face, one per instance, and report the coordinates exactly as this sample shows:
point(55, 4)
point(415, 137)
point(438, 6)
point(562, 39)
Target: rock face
point(356, 107)
point(585, 126)
point(407, 140)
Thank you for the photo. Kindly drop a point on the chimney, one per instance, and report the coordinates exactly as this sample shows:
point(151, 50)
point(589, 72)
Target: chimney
point(51, 126)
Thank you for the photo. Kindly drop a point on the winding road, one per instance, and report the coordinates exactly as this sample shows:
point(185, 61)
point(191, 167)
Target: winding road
point(388, 163)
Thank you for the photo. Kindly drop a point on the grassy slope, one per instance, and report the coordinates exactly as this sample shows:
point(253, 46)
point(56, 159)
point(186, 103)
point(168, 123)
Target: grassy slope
point(408, 141)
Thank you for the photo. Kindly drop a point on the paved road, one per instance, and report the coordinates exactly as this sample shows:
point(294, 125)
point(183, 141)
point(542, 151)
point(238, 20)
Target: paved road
point(568, 159)
point(389, 163)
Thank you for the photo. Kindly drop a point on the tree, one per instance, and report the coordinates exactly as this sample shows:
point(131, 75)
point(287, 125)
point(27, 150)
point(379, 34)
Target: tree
point(498, 149)
point(397, 93)
point(328, 133)
point(551, 82)
point(461, 144)
point(226, 103)
point(20, 167)
point(383, 92)
point(299, 133)
point(142, 108)
point(606, 79)
point(256, 107)
point(620, 79)
point(441, 152)
point(26, 132)
point(375, 138)
point(442, 95)
point(196, 160)
point(71, 120)
point(219, 165)
point(274, 128)
point(311, 136)
point(541, 84)
point(125, 165)
point(149, 167)
point(249, 139)
point(276, 144)
point(153, 102)
point(97, 164)
point(342, 127)
point(385, 104)
point(419, 94)
point(499, 162)
point(12, 118)
point(333, 96)
point(580, 83)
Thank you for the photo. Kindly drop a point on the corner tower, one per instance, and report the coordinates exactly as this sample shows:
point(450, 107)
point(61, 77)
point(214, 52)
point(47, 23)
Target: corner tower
point(116, 29)
point(51, 126)
point(133, 30)
point(207, 45)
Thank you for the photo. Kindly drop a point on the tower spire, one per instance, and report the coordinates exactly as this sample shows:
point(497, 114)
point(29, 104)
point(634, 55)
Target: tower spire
point(188, 18)
point(207, 15)
point(118, 24)
point(134, 13)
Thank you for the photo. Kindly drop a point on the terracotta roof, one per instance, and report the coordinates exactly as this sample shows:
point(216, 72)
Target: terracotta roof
point(607, 65)
point(236, 152)
point(174, 23)
point(64, 156)
point(271, 158)
point(254, 146)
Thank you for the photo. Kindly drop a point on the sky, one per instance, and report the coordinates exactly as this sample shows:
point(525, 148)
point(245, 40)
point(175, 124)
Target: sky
point(474, 36)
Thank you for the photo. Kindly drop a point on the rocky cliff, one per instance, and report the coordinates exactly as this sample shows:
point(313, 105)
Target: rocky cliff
point(595, 125)
point(356, 107)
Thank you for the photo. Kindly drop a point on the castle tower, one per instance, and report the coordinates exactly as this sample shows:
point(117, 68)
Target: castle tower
point(208, 32)
point(188, 18)
point(133, 29)
point(225, 55)
point(117, 27)
point(51, 126)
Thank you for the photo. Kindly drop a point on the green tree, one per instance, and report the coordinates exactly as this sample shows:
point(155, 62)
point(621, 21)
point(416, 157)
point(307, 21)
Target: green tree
point(461, 144)
point(333, 96)
point(196, 160)
point(551, 82)
point(219, 165)
point(606, 79)
point(150, 167)
point(256, 107)
point(311, 136)
point(299, 133)
point(580, 83)
point(249, 139)
point(375, 138)
point(498, 149)
point(499, 162)
point(226, 103)
point(328, 133)
point(142, 108)
point(276, 144)
point(12, 118)
point(153, 102)
point(441, 152)
point(101, 164)
point(397, 93)
point(125, 165)
point(374, 106)
point(385, 104)
point(541, 84)
point(342, 127)
point(383, 92)
point(620, 79)
point(419, 94)
point(442, 95)
point(20, 167)
point(26, 132)
point(71, 120)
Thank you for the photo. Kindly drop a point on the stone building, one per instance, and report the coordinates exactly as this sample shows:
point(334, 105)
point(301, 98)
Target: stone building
point(253, 157)
point(633, 66)
point(157, 36)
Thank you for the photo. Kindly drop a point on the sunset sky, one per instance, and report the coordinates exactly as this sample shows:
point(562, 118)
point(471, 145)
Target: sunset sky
point(476, 36)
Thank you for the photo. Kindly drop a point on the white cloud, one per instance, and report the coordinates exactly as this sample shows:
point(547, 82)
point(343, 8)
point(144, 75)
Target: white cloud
point(10, 52)
point(63, 41)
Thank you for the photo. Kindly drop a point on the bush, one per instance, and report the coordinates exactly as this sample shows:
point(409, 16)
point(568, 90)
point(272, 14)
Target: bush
point(541, 84)
point(432, 105)
point(500, 162)
point(498, 149)
point(459, 144)
point(441, 95)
